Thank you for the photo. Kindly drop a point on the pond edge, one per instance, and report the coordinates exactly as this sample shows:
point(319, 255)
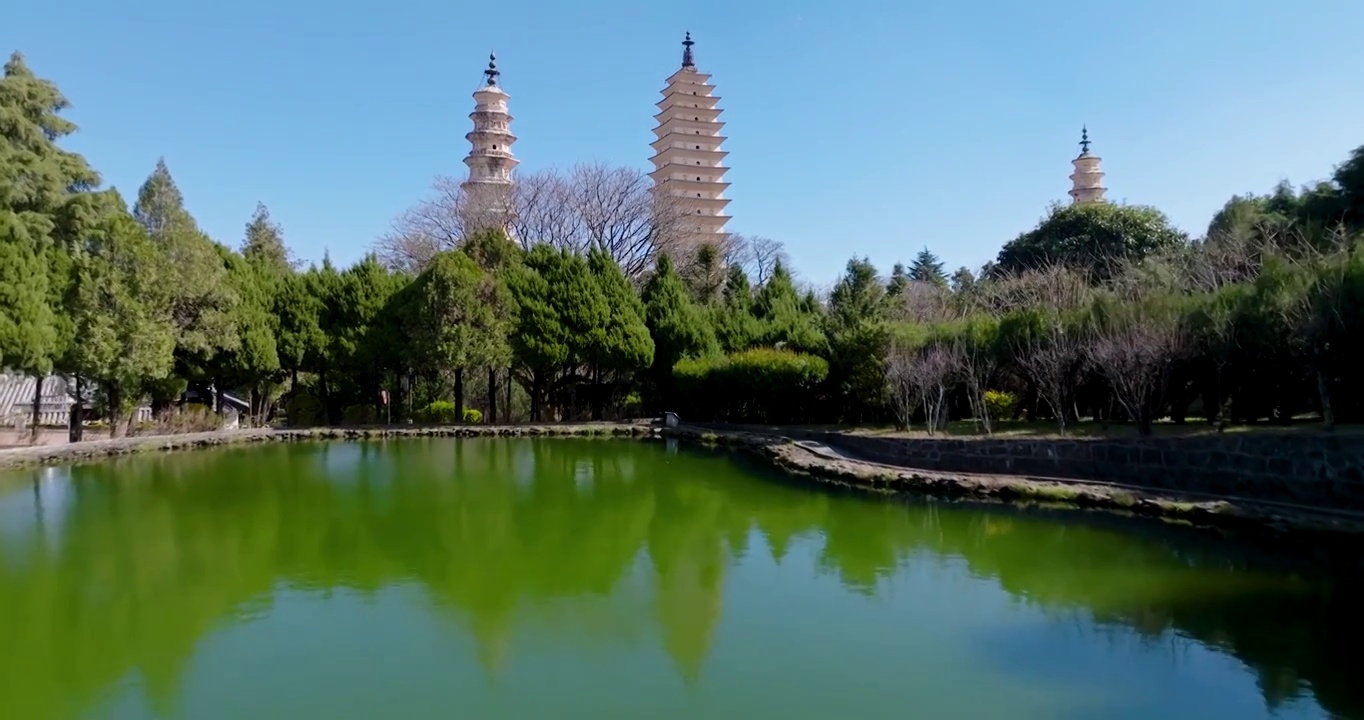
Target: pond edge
point(1239, 514)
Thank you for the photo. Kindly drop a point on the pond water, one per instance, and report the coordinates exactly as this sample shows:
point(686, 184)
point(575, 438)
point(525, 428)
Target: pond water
point(612, 579)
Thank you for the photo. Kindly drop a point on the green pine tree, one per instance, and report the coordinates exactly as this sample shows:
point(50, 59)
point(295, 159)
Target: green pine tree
point(677, 325)
point(625, 345)
point(928, 268)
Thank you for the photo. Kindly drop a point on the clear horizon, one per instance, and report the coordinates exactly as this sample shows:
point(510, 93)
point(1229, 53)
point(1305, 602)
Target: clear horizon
point(867, 128)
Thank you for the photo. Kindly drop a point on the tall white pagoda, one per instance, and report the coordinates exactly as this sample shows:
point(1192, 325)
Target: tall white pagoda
point(689, 164)
point(487, 191)
point(1087, 180)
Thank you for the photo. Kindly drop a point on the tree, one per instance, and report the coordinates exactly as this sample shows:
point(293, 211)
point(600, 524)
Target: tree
point(1096, 238)
point(856, 328)
point(497, 255)
point(1045, 341)
point(264, 243)
point(963, 281)
point(203, 298)
point(297, 307)
point(732, 318)
point(541, 343)
point(1134, 342)
point(783, 318)
point(456, 318)
point(920, 376)
point(27, 324)
point(122, 311)
point(928, 268)
point(611, 208)
point(677, 325)
point(254, 357)
point(45, 205)
point(353, 305)
point(758, 255)
point(705, 273)
point(898, 283)
point(1349, 179)
point(625, 344)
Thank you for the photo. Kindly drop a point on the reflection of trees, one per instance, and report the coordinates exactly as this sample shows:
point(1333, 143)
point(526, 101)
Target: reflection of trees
point(144, 568)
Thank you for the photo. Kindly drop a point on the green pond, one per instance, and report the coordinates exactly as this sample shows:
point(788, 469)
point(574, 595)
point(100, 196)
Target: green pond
point(554, 578)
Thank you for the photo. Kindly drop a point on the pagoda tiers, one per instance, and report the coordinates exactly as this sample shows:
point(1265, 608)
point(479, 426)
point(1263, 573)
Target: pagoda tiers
point(490, 158)
point(688, 161)
point(1087, 180)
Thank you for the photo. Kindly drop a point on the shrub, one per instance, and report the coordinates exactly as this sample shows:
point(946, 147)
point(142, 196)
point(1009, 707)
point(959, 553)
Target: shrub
point(757, 385)
point(1001, 405)
point(472, 416)
point(359, 415)
point(191, 418)
point(440, 412)
point(303, 410)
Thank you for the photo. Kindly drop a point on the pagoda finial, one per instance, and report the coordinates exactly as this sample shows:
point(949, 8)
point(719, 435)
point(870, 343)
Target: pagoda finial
point(492, 71)
point(1084, 139)
point(687, 59)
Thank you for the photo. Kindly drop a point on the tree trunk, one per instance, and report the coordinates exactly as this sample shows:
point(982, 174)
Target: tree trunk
point(324, 394)
point(115, 399)
point(492, 396)
point(293, 381)
point(37, 407)
point(507, 411)
point(459, 395)
point(218, 395)
point(596, 392)
point(77, 430)
point(1328, 418)
point(535, 383)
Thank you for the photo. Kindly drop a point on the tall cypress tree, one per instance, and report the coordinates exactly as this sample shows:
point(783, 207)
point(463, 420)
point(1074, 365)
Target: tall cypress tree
point(121, 311)
point(44, 206)
point(625, 345)
point(678, 326)
point(203, 299)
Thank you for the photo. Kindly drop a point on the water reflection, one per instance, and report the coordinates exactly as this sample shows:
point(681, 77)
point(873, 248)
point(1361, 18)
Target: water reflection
point(123, 569)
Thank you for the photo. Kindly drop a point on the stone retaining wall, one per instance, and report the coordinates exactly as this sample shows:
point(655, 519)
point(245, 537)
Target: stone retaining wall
point(1312, 469)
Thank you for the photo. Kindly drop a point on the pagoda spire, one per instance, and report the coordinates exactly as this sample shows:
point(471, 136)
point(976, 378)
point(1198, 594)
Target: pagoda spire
point(688, 59)
point(689, 163)
point(490, 159)
point(492, 72)
point(1087, 180)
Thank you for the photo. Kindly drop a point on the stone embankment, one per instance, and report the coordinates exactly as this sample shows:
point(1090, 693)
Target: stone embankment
point(823, 460)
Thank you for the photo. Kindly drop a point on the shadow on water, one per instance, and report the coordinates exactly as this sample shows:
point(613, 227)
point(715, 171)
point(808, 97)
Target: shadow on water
point(126, 566)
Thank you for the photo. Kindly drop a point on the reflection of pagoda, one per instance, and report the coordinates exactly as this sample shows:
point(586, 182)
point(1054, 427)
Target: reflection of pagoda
point(688, 554)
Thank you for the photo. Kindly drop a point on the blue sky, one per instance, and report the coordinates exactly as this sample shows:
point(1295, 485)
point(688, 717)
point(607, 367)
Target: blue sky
point(857, 127)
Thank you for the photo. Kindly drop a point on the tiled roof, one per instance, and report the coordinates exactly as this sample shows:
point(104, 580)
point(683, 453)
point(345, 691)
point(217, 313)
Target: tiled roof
point(16, 397)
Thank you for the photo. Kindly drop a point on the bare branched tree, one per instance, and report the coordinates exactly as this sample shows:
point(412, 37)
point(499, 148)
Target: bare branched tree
point(976, 365)
point(591, 205)
point(924, 303)
point(1310, 300)
point(1050, 350)
point(1134, 343)
point(757, 255)
point(920, 380)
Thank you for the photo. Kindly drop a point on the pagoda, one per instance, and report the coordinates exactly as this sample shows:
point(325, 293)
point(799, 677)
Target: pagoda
point(1087, 180)
point(487, 190)
point(689, 164)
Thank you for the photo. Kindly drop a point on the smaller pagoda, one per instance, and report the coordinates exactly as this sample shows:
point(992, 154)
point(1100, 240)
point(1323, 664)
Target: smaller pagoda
point(1086, 183)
